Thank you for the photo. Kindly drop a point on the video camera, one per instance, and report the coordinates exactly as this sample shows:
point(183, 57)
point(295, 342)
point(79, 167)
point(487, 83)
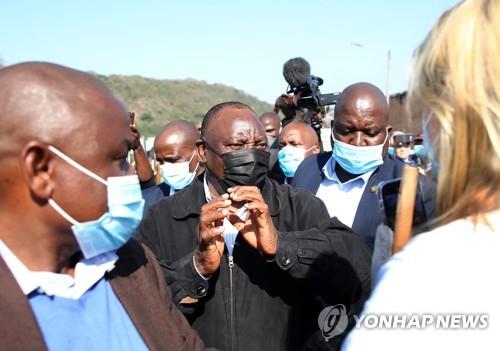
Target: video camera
point(297, 73)
point(404, 139)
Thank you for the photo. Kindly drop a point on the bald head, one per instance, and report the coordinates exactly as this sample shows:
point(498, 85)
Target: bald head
point(299, 134)
point(272, 123)
point(361, 100)
point(46, 107)
point(361, 115)
point(52, 103)
point(177, 132)
point(176, 143)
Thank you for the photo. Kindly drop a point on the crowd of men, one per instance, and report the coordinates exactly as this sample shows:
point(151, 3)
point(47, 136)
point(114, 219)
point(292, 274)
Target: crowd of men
point(249, 258)
point(247, 236)
point(253, 229)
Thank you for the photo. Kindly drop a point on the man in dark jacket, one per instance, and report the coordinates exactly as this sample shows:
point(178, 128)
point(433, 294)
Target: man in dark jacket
point(346, 179)
point(70, 277)
point(175, 150)
point(251, 262)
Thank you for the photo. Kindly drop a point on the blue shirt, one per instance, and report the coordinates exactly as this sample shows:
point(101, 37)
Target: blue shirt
point(95, 321)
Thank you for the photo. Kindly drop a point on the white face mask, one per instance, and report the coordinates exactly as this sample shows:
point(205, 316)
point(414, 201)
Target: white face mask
point(177, 175)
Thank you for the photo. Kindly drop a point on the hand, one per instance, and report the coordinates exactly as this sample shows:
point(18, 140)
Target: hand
point(211, 247)
point(135, 132)
point(258, 230)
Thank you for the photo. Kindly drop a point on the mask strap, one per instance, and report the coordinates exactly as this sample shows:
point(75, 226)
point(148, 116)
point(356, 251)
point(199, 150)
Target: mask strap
point(196, 168)
point(210, 147)
point(191, 159)
point(77, 165)
point(63, 213)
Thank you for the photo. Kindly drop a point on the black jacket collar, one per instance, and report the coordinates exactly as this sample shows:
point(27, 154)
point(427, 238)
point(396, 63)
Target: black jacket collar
point(188, 201)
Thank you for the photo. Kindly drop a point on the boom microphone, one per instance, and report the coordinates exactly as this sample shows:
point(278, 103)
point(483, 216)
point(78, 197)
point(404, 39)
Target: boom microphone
point(296, 71)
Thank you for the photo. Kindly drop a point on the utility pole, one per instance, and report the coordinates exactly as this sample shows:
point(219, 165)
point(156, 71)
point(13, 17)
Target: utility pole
point(387, 72)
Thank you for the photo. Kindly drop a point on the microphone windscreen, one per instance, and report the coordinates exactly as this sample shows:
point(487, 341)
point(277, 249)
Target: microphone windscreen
point(296, 71)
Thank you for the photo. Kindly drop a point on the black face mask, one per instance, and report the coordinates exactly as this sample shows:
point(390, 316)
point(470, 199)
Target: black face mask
point(244, 167)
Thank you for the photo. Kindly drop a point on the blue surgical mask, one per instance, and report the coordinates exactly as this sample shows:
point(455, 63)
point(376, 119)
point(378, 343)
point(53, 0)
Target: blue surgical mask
point(358, 159)
point(419, 150)
point(115, 227)
point(177, 175)
point(390, 151)
point(290, 157)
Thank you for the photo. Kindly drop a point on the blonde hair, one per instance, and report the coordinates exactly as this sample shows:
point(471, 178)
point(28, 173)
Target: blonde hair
point(456, 77)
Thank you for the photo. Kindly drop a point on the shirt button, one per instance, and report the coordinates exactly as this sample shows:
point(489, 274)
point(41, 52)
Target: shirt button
point(200, 290)
point(285, 261)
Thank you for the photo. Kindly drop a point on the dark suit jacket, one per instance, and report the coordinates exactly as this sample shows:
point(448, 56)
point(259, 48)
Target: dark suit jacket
point(138, 283)
point(155, 194)
point(368, 216)
point(318, 262)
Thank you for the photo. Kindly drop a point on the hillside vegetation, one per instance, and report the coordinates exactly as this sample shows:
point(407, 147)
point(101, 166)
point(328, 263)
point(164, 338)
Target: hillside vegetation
point(156, 102)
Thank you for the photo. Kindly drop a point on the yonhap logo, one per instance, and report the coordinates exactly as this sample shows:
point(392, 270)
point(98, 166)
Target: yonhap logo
point(332, 321)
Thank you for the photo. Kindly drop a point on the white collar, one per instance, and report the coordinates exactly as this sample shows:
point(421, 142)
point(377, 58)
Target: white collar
point(208, 197)
point(87, 273)
point(330, 173)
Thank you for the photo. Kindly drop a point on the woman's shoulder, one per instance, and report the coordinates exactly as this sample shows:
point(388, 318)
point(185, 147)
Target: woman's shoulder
point(450, 260)
point(460, 232)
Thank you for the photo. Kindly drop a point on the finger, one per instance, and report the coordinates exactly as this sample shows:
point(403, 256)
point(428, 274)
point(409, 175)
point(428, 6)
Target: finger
point(259, 207)
point(215, 205)
point(233, 218)
point(238, 188)
point(208, 219)
point(209, 235)
point(236, 192)
point(247, 197)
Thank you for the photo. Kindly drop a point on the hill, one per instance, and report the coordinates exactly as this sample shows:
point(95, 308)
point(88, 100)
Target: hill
point(156, 102)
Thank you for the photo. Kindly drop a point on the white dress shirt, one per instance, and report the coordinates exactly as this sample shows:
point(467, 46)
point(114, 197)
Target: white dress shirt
point(87, 273)
point(341, 199)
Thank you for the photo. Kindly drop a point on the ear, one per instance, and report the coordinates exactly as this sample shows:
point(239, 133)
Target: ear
point(36, 163)
point(316, 149)
point(201, 151)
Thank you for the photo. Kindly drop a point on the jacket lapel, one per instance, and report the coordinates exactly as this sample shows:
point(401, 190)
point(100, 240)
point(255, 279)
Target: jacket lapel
point(317, 175)
point(189, 200)
point(368, 215)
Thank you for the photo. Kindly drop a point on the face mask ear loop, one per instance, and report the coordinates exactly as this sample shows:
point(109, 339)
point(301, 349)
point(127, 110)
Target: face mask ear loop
point(197, 163)
point(312, 147)
point(196, 168)
point(191, 159)
point(77, 165)
point(63, 213)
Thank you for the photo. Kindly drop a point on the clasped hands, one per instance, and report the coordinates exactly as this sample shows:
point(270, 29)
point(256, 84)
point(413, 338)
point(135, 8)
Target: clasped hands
point(257, 229)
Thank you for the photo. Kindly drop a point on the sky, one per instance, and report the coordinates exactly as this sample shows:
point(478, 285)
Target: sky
point(243, 44)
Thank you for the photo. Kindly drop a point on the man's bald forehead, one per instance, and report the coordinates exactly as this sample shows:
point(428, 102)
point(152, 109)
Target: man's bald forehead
point(359, 97)
point(306, 132)
point(270, 116)
point(50, 102)
point(185, 131)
